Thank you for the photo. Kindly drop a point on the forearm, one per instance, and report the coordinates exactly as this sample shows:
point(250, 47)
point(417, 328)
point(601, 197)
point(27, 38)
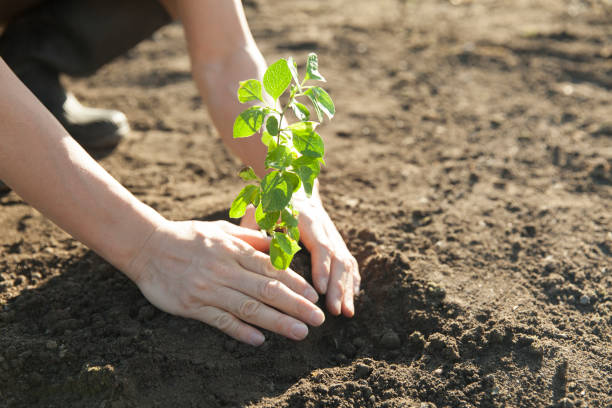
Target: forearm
point(218, 83)
point(50, 171)
point(222, 53)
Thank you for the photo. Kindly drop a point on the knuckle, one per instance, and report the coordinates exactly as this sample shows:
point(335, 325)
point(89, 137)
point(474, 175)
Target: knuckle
point(269, 270)
point(337, 286)
point(248, 309)
point(282, 326)
point(188, 301)
point(326, 248)
point(224, 322)
point(270, 289)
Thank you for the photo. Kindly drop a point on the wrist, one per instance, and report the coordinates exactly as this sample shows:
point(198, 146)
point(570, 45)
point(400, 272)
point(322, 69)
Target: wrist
point(143, 228)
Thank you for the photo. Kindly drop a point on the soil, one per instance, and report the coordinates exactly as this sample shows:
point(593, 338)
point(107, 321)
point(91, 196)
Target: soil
point(469, 168)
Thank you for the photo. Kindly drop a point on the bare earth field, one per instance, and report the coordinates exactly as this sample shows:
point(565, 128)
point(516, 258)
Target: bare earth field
point(469, 168)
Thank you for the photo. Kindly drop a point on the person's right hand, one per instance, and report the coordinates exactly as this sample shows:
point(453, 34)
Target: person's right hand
point(215, 272)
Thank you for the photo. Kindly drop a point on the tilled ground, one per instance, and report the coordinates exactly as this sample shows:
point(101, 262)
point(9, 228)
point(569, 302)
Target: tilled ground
point(469, 169)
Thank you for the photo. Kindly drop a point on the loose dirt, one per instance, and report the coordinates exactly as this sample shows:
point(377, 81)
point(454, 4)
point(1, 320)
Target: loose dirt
point(469, 169)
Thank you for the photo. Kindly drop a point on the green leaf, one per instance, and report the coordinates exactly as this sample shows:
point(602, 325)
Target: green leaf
point(300, 111)
point(312, 68)
point(321, 101)
point(272, 125)
point(278, 158)
point(282, 250)
point(306, 140)
point(248, 195)
point(288, 219)
point(277, 189)
point(308, 169)
point(250, 90)
point(294, 72)
point(249, 121)
point(248, 174)
point(294, 233)
point(266, 220)
point(268, 140)
point(277, 78)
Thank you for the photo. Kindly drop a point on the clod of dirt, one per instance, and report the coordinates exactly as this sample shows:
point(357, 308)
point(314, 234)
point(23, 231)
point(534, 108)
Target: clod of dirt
point(529, 231)
point(390, 340)
point(445, 346)
point(531, 344)
point(565, 403)
point(495, 336)
point(417, 340)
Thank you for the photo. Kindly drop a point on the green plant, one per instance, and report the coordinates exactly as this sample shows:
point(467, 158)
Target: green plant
point(295, 151)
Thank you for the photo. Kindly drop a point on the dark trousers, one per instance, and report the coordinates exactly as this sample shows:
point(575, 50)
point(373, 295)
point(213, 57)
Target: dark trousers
point(75, 37)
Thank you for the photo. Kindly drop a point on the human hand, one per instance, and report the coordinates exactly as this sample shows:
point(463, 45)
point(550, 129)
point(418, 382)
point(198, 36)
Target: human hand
point(214, 272)
point(334, 269)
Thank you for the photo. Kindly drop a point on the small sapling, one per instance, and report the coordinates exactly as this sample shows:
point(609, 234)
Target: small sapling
point(295, 150)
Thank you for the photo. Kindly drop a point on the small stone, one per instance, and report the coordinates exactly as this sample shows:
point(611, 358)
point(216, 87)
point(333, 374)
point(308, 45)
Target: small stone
point(585, 300)
point(390, 340)
point(438, 371)
point(362, 370)
point(51, 344)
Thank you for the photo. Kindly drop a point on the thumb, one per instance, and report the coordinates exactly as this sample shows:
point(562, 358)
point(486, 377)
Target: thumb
point(248, 220)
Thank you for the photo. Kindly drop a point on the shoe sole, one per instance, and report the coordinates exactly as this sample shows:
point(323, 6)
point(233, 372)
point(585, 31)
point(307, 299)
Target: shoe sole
point(109, 141)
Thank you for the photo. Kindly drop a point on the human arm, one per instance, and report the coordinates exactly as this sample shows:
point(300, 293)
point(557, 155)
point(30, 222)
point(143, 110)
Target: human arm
point(213, 272)
point(223, 52)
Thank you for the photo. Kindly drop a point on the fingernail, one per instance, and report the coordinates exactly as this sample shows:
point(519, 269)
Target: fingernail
point(317, 317)
point(299, 331)
point(256, 339)
point(337, 307)
point(351, 307)
point(311, 295)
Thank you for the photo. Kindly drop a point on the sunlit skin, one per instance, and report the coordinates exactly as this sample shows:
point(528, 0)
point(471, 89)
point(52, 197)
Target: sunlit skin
point(214, 272)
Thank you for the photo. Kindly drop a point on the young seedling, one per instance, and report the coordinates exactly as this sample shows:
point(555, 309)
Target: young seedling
point(295, 151)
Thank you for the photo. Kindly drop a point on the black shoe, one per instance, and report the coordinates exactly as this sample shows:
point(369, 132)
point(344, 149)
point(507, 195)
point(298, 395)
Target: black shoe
point(93, 128)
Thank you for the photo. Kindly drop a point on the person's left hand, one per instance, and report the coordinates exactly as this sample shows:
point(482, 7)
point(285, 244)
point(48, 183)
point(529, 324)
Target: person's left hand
point(334, 269)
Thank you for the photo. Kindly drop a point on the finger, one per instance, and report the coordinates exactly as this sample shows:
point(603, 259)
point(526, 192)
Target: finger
point(230, 325)
point(255, 312)
point(254, 238)
point(335, 288)
point(260, 263)
point(274, 293)
point(356, 279)
point(321, 264)
point(348, 309)
point(248, 220)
